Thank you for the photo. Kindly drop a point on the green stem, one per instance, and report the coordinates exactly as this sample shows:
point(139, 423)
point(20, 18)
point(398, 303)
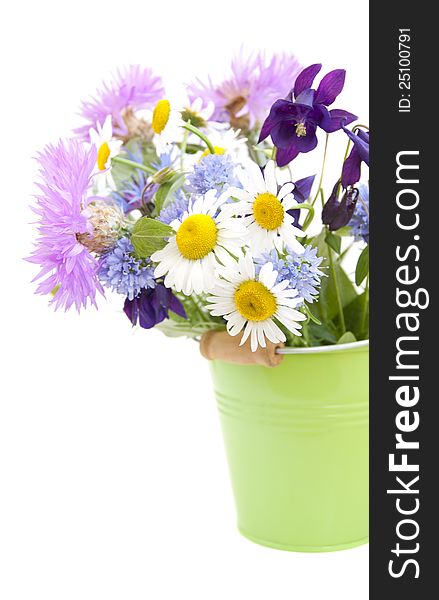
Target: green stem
point(200, 134)
point(345, 251)
point(305, 332)
point(192, 300)
point(309, 216)
point(365, 304)
point(273, 153)
point(337, 291)
point(133, 164)
point(348, 145)
point(183, 149)
point(359, 126)
point(322, 171)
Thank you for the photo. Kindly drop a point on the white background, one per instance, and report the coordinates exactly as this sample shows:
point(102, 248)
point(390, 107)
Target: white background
point(113, 477)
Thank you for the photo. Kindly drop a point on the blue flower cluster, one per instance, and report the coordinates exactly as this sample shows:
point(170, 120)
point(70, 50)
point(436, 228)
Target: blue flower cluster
point(175, 209)
point(301, 270)
point(360, 219)
point(125, 274)
point(213, 172)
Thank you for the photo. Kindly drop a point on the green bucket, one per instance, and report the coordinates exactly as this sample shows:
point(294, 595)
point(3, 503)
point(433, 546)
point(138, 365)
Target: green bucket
point(296, 438)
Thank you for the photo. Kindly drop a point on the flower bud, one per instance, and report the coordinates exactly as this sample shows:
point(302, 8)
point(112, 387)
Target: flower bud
point(107, 223)
point(336, 214)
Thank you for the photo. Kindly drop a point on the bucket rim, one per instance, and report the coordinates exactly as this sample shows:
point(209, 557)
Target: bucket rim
point(321, 349)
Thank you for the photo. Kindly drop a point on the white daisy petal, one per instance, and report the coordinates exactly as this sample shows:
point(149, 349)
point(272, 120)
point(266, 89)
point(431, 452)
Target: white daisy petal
point(247, 331)
point(256, 178)
point(267, 275)
point(254, 339)
point(270, 178)
point(261, 336)
point(286, 189)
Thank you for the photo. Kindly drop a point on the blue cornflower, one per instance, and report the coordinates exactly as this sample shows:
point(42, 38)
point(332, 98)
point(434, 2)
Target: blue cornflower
point(125, 274)
point(360, 219)
point(175, 209)
point(137, 190)
point(213, 172)
point(301, 270)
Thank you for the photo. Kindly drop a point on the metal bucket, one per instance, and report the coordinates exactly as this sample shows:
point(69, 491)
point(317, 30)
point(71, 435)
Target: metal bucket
point(296, 438)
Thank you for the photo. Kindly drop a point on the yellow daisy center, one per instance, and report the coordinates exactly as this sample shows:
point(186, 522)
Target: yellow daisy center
point(197, 236)
point(216, 149)
point(103, 156)
point(254, 301)
point(160, 116)
point(268, 211)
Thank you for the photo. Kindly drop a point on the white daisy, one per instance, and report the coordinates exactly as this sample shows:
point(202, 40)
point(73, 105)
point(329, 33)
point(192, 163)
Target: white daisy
point(264, 207)
point(254, 302)
point(107, 148)
point(226, 140)
point(203, 236)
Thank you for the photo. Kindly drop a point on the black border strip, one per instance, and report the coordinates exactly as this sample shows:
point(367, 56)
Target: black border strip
point(403, 526)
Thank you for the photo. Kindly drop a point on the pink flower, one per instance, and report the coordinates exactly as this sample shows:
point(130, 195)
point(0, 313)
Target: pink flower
point(132, 88)
point(256, 82)
point(68, 269)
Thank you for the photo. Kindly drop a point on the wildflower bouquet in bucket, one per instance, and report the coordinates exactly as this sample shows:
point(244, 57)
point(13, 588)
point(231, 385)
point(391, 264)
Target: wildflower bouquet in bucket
point(190, 213)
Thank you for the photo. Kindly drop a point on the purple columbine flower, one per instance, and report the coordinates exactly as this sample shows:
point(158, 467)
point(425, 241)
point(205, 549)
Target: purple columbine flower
point(67, 266)
point(301, 193)
point(132, 88)
point(293, 122)
point(337, 213)
point(360, 153)
point(255, 83)
point(152, 306)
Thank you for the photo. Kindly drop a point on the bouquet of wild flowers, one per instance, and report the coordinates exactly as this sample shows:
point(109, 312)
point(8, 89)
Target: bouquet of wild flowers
point(190, 214)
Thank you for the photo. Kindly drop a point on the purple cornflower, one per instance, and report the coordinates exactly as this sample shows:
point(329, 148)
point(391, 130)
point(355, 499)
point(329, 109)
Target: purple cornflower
point(125, 274)
point(293, 122)
point(301, 193)
point(360, 153)
point(69, 269)
point(152, 306)
point(360, 219)
point(213, 172)
point(175, 209)
point(300, 270)
point(255, 83)
point(132, 88)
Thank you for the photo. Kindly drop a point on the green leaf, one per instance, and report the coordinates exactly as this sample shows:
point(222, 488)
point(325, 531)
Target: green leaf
point(325, 334)
point(344, 231)
point(362, 266)
point(149, 235)
point(333, 241)
point(356, 315)
point(326, 308)
point(347, 338)
point(165, 191)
